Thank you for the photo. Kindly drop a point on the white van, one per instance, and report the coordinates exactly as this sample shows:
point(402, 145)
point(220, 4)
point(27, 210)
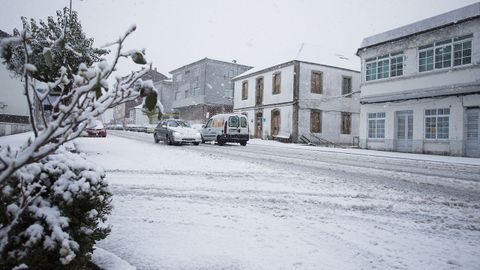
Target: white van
point(224, 128)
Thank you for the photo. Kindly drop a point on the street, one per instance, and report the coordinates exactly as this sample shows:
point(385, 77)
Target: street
point(277, 206)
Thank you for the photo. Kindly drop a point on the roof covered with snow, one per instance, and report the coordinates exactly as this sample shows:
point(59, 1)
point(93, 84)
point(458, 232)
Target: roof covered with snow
point(205, 60)
point(311, 53)
point(442, 20)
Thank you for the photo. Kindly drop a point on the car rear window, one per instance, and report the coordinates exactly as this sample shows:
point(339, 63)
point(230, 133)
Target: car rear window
point(243, 122)
point(233, 121)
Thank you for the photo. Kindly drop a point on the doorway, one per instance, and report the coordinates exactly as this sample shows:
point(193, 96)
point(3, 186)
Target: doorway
point(275, 122)
point(472, 145)
point(258, 125)
point(404, 131)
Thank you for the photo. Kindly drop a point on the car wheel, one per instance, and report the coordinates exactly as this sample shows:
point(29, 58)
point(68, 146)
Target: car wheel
point(196, 143)
point(166, 140)
point(243, 143)
point(170, 141)
point(155, 138)
point(203, 141)
point(220, 141)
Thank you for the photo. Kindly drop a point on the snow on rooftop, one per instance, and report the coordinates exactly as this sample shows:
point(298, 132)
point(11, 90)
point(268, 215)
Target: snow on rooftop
point(453, 16)
point(312, 53)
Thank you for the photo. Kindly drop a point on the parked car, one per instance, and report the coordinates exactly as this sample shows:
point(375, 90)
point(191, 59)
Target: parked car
point(96, 129)
point(224, 128)
point(150, 128)
point(198, 127)
point(176, 131)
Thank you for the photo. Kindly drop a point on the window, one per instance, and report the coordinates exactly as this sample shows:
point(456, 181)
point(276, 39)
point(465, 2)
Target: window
point(243, 122)
point(186, 93)
point(233, 121)
point(259, 91)
point(346, 123)
point(425, 58)
point(196, 91)
point(316, 82)
point(277, 78)
point(245, 90)
point(218, 122)
point(462, 50)
point(396, 65)
point(315, 121)
point(385, 66)
point(445, 54)
point(376, 125)
point(437, 123)
point(209, 123)
point(346, 85)
point(228, 93)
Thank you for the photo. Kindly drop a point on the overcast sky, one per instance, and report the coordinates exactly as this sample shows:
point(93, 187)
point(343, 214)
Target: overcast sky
point(253, 32)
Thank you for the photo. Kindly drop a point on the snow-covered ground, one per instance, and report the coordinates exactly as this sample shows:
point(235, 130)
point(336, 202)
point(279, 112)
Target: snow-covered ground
point(269, 206)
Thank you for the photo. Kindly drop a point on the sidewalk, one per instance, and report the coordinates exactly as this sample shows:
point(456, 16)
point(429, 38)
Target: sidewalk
point(366, 152)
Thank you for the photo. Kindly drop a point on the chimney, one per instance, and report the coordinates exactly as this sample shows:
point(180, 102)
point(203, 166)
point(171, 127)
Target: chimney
point(234, 61)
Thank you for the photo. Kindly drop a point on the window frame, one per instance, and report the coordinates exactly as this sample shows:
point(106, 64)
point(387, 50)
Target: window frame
point(380, 67)
point(343, 116)
point(350, 89)
point(313, 90)
point(276, 89)
point(376, 118)
point(440, 60)
point(244, 90)
point(436, 114)
point(320, 114)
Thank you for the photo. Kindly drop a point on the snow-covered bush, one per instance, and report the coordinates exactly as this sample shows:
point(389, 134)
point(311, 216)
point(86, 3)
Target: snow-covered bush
point(66, 207)
point(52, 203)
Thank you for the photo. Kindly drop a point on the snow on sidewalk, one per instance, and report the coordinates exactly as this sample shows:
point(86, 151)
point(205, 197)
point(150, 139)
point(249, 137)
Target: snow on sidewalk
point(367, 152)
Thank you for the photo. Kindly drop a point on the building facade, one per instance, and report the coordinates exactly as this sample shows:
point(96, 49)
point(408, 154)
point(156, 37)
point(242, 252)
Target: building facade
point(420, 89)
point(204, 88)
point(14, 114)
point(130, 111)
point(299, 98)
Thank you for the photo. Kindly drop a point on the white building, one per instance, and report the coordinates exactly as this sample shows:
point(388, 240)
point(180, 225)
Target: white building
point(420, 89)
point(14, 115)
point(300, 98)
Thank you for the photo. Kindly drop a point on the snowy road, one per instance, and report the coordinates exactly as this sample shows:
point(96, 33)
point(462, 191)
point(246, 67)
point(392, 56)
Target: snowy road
point(275, 206)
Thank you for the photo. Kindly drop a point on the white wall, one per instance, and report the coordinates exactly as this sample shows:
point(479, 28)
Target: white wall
point(412, 80)
point(11, 94)
point(330, 102)
point(454, 145)
point(285, 95)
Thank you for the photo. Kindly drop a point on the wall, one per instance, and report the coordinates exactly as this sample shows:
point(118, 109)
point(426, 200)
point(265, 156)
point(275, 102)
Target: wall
point(12, 94)
point(453, 146)
point(13, 103)
point(330, 102)
point(285, 95)
point(212, 78)
point(414, 81)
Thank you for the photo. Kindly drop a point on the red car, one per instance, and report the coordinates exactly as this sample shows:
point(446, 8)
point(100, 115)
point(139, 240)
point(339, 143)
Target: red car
point(96, 129)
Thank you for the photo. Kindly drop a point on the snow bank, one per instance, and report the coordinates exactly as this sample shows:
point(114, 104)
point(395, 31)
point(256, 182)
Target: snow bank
point(109, 261)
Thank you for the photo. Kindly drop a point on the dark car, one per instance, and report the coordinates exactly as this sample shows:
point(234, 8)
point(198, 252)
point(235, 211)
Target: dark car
point(176, 131)
point(96, 129)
